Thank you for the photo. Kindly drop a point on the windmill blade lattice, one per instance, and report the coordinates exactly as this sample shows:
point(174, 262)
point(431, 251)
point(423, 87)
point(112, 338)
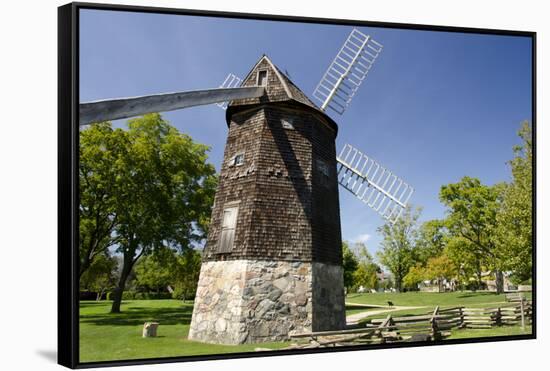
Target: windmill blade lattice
point(371, 183)
point(231, 81)
point(347, 71)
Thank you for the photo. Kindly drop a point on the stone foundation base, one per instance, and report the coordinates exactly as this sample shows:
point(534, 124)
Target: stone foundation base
point(251, 301)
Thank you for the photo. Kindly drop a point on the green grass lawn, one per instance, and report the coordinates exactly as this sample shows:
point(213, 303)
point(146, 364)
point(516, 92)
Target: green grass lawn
point(353, 309)
point(417, 299)
point(495, 331)
point(105, 336)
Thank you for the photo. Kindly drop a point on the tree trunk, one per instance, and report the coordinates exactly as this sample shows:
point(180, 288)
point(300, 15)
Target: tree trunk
point(101, 292)
point(479, 281)
point(398, 284)
point(499, 281)
point(117, 299)
point(127, 264)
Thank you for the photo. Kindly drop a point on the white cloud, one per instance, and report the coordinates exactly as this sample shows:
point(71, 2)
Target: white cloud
point(363, 238)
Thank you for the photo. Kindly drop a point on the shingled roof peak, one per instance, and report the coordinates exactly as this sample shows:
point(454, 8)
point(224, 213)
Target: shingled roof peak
point(291, 90)
point(283, 90)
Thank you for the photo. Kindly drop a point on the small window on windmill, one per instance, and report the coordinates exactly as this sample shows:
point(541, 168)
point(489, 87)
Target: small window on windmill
point(227, 235)
point(322, 166)
point(287, 123)
point(238, 160)
point(262, 78)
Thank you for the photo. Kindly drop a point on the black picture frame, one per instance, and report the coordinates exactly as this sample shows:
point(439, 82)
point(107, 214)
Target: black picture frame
point(68, 142)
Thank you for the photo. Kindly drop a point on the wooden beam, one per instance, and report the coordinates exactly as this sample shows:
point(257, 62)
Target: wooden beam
point(335, 332)
point(121, 108)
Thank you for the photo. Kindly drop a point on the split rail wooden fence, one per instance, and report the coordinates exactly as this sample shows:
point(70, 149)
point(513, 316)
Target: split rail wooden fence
point(432, 326)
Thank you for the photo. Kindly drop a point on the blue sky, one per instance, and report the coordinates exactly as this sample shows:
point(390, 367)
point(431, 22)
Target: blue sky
point(436, 106)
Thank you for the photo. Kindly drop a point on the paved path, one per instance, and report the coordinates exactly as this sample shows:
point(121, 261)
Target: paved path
point(354, 318)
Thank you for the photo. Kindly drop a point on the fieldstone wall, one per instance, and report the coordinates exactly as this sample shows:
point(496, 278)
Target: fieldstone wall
point(329, 312)
point(218, 306)
point(251, 301)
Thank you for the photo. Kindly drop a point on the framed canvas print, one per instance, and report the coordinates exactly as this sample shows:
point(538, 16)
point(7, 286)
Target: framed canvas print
point(244, 185)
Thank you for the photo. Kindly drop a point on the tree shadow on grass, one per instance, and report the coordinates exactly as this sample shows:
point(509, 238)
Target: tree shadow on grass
point(472, 294)
point(91, 304)
point(363, 307)
point(134, 316)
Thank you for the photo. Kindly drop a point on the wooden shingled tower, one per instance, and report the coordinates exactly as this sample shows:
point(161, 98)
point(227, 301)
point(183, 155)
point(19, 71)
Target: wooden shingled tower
point(273, 258)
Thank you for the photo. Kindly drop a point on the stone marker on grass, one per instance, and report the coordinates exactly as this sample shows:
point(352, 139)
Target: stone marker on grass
point(150, 329)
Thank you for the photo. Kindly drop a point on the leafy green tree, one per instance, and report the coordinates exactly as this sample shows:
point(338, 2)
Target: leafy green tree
point(162, 192)
point(431, 241)
point(362, 253)
point(165, 193)
point(468, 261)
point(365, 275)
point(366, 272)
point(437, 268)
point(515, 229)
point(414, 276)
point(187, 273)
point(157, 270)
point(472, 212)
point(167, 267)
point(440, 268)
point(349, 264)
point(100, 275)
point(398, 244)
point(101, 154)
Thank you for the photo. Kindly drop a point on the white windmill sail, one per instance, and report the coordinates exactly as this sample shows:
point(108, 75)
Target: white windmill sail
point(347, 71)
point(371, 183)
point(231, 81)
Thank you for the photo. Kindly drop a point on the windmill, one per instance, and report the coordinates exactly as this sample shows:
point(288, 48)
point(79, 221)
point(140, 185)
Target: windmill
point(272, 261)
point(365, 178)
point(362, 176)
